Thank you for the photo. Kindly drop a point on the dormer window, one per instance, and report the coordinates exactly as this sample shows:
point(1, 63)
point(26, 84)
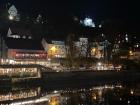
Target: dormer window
point(29, 37)
point(16, 36)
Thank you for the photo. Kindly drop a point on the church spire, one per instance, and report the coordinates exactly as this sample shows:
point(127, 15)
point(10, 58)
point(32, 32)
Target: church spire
point(13, 13)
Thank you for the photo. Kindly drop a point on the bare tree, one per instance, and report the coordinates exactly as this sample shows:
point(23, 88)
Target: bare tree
point(70, 50)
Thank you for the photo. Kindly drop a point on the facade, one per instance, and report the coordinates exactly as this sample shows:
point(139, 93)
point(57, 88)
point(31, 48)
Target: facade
point(55, 49)
point(82, 46)
point(100, 49)
point(19, 33)
point(135, 53)
point(97, 50)
point(91, 49)
point(24, 51)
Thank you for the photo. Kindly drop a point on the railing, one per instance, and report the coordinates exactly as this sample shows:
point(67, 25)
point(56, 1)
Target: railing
point(20, 71)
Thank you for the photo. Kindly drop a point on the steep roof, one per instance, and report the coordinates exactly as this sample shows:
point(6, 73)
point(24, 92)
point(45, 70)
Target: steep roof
point(50, 38)
point(25, 44)
point(21, 32)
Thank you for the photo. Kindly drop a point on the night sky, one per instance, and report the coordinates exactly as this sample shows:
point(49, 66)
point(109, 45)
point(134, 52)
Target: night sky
point(99, 9)
point(126, 11)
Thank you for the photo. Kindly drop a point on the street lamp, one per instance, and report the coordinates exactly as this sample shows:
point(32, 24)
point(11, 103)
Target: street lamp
point(99, 63)
point(131, 52)
point(11, 17)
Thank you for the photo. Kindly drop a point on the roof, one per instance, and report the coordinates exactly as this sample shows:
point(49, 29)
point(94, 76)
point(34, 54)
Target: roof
point(50, 38)
point(21, 32)
point(26, 44)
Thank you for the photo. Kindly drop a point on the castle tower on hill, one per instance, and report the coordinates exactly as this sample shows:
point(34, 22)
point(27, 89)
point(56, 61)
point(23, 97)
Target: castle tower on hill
point(13, 13)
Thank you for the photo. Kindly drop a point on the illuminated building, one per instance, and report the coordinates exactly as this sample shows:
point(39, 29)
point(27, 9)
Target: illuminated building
point(55, 49)
point(135, 54)
point(24, 51)
point(88, 22)
point(98, 48)
point(13, 14)
point(19, 48)
point(14, 32)
point(32, 96)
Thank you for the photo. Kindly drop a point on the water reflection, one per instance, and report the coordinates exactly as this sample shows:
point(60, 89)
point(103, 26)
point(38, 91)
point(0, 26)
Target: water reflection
point(97, 95)
point(28, 96)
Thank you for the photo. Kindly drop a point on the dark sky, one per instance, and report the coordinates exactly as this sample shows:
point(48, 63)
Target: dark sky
point(99, 9)
point(126, 11)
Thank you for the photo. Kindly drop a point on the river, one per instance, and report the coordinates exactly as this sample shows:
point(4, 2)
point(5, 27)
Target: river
point(116, 93)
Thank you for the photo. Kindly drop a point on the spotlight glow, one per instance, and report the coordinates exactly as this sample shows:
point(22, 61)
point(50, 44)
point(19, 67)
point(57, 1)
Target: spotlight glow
point(89, 22)
point(11, 17)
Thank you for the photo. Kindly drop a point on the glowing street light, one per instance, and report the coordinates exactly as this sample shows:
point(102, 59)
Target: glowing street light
point(11, 17)
point(100, 26)
point(99, 63)
point(131, 92)
point(94, 49)
point(130, 52)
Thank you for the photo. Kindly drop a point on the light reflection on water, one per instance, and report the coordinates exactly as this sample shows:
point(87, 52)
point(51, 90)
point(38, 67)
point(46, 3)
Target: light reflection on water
point(97, 95)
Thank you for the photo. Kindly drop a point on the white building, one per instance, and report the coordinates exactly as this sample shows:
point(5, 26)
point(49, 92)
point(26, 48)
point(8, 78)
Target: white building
point(13, 13)
point(88, 22)
point(54, 48)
